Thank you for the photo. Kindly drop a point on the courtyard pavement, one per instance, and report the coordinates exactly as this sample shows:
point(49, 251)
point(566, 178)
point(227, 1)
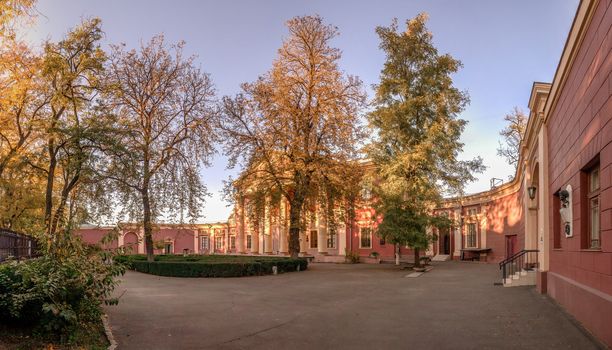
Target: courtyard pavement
point(454, 306)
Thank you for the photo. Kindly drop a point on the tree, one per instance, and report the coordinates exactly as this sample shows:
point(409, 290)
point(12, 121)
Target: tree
point(21, 105)
point(417, 141)
point(10, 12)
point(512, 136)
point(73, 130)
point(295, 130)
point(165, 107)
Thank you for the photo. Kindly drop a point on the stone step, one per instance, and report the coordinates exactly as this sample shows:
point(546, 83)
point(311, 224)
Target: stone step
point(441, 257)
point(523, 278)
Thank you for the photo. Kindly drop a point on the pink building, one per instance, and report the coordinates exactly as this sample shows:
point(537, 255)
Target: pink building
point(551, 226)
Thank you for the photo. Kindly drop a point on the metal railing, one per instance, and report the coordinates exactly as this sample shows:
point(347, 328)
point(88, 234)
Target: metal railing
point(17, 245)
point(525, 260)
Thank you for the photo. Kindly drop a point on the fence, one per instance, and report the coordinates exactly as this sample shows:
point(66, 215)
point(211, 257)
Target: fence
point(16, 245)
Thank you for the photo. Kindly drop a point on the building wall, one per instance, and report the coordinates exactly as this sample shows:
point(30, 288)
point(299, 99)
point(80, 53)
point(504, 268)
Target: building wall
point(95, 235)
point(579, 128)
point(504, 217)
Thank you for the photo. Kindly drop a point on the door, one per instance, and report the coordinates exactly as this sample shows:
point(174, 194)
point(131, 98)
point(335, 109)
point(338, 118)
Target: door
point(446, 244)
point(511, 245)
point(204, 244)
point(444, 241)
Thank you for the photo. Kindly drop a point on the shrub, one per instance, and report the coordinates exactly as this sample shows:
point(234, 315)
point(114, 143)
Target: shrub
point(351, 257)
point(212, 266)
point(374, 255)
point(58, 294)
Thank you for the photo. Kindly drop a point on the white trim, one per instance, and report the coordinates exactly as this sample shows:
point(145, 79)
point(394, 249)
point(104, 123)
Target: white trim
point(371, 236)
point(467, 232)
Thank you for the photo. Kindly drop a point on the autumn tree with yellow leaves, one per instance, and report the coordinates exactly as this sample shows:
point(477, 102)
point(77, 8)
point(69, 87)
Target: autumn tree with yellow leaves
point(296, 130)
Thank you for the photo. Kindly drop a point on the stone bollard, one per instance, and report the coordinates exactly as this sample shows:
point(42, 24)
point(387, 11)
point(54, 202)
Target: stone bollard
point(275, 270)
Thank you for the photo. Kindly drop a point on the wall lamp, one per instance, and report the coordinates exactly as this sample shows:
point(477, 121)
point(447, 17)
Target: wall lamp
point(565, 197)
point(531, 191)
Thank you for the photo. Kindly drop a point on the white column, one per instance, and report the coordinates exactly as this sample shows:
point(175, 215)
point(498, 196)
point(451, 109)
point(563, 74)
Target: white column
point(457, 235)
point(283, 228)
point(341, 239)
point(483, 230)
point(226, 242)
point(255, 238)
point(267, 227)
point(240, 226)
point(196, 245)
point(120, 241)
point(141, 242)
point(321, 233)
point(543, 201)
point(303, 243)
point(430, 251)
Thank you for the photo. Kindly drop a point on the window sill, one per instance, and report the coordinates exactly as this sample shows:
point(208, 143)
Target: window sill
point(558, 249)
point(593, 250)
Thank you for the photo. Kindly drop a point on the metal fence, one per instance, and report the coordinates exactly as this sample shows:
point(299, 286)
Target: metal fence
point(16, 245)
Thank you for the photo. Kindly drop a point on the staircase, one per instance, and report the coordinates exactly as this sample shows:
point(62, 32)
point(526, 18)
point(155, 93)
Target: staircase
point(520, 269)
point(441, 257)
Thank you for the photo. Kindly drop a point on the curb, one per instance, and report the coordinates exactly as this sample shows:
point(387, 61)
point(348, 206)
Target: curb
point(109, 333)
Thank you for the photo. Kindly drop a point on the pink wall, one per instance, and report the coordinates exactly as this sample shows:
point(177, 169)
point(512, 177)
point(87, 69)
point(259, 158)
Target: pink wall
point(94, 236)
point(505, 217)
point(579, 129)
point(182, 238)
point(387, 250)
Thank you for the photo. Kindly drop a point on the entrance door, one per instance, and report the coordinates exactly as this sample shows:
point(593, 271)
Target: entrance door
point(446, 244)
point(444, 241)
point(511, 245)
point(204, 244)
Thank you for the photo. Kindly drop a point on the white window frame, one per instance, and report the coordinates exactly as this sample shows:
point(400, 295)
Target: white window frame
point(166, 244)
point(467, 235)
point(207, 240)
point(361, 237)
point(333, 238)
point(314, 238)
point(218, 242)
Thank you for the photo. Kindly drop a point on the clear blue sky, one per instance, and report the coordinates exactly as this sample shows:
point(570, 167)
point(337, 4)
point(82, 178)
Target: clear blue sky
point(504, 45)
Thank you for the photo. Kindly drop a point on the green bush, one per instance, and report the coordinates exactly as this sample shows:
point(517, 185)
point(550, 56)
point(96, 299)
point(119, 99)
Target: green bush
point(211, 265)
point(57, 294)
point(351, 257)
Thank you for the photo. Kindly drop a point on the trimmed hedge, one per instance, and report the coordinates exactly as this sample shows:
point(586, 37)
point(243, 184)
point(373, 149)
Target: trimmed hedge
point(211, 265)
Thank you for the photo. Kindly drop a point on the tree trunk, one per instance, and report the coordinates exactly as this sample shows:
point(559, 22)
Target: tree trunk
point(49, 192)
point(59, 211)
point(148, 228)
point(397, 254)
point(295, 213)
point(417, 260)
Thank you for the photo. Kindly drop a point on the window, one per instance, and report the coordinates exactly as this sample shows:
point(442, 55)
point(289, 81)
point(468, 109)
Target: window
point(365, 237)
point(204, 243)
point(168, 248)
point(331, 241)
point(218, 242)
point(248, 242)
point(472, 211)
point(593, 232)
point(470, 238)
point(382, 241)
point(314, 239)
point(232, 242)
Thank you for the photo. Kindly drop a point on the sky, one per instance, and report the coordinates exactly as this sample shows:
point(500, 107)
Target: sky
point(504, 46)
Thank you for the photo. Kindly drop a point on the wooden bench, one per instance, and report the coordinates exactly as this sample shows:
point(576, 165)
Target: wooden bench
point(475, 253)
